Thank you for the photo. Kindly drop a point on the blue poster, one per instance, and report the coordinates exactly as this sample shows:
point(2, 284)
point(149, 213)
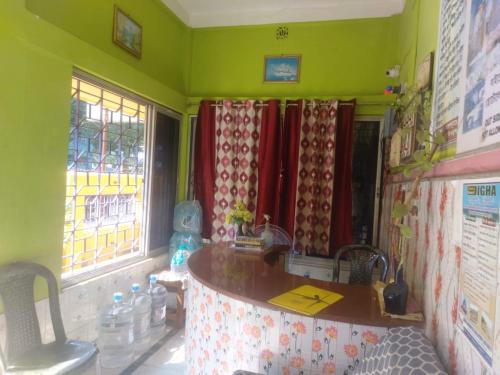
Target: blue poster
point(478, 276)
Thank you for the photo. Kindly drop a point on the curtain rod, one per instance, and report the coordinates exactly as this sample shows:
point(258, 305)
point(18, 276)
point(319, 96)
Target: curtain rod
point(283, 104)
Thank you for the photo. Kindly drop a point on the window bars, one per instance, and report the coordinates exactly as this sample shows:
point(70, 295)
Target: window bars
point(104, 178)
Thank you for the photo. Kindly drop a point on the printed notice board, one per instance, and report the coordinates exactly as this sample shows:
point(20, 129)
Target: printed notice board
point(467, 89)
point(478, 273)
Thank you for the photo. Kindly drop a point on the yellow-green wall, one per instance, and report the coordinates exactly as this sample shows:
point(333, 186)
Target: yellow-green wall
point(35, 80)
point(166, 40)
point(42, 40)
point(339, 58)
point(418, 29)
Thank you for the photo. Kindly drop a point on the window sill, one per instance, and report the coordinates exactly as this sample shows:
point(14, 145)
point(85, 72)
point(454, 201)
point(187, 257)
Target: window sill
point(85, 276)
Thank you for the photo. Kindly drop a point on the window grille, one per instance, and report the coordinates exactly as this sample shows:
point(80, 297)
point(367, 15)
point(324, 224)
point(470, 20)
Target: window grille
point(104, 178)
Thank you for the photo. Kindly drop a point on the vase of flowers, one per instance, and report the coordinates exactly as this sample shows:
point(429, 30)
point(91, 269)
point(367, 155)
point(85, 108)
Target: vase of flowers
point(238, 216)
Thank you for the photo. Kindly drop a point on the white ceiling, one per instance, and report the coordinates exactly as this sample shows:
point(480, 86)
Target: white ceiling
point(208, 13)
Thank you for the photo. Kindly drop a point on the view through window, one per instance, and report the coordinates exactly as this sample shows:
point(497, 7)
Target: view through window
point(104, 178)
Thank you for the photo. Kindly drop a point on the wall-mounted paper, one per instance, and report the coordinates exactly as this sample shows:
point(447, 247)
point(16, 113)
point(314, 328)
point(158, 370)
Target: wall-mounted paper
point(478, 273)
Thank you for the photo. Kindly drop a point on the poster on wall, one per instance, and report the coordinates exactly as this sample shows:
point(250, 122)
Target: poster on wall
point(448, 95)
point(467, 96)
point(480, 126)
point(478, 272)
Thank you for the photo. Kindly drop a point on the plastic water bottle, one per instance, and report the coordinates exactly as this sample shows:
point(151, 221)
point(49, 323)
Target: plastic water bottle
point(178, 264)
point(116, 333)
point(141, 303)
point(158, 295)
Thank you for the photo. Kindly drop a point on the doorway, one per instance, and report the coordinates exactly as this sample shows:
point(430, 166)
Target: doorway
point(366, 175)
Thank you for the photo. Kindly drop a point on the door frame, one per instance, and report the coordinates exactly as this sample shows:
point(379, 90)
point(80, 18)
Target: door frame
point(378, 181)
point(151, 139)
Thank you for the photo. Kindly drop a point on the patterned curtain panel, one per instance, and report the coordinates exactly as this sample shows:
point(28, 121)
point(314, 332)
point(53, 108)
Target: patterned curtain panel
point(313, 211)
point(237, 135)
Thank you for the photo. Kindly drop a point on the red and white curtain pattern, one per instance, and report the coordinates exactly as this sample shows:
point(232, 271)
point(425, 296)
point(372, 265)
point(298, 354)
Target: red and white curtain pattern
point(313, 211)
point(237, 135)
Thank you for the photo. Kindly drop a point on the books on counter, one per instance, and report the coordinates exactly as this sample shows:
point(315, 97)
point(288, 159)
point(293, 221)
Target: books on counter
point(248, 243)
point(306, 299)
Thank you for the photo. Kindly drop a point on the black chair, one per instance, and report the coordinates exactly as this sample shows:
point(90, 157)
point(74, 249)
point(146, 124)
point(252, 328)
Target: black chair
point(363, 259)
point(25, 353)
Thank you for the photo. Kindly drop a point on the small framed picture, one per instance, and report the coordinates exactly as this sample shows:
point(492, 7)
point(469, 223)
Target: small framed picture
point(282, 69)
point(408, 139)
point(127, 33)
point(424, 73)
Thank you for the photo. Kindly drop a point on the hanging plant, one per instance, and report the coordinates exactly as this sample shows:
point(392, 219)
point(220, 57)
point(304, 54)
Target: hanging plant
point(423, 158)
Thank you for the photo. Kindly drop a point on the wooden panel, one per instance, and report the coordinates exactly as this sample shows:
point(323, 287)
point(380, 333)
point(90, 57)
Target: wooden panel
point(164, 180)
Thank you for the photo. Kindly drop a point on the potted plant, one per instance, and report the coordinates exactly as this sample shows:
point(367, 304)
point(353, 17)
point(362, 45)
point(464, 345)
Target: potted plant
point(238, 216)
point(423, 160)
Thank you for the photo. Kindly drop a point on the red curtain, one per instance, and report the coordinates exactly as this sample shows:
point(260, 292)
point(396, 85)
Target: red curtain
point(204, 163)
point(269, 163)
point(290, 160)
point(315, 181)
point(341, 231)
point(238, 158)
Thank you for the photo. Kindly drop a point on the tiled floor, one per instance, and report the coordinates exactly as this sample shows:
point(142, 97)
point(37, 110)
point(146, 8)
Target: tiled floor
point(165, 356)
point(167, 360)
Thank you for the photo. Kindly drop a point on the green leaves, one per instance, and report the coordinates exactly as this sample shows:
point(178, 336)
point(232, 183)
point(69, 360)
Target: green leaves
point(405, 230)
point(439, 138)
point(420, 156)
point(407, 171)
point(400, 210)
point(427, 166)
point(423, 136)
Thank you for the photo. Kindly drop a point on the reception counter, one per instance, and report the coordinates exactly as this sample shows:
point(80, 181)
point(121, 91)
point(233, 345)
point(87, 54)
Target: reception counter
point(230, 326)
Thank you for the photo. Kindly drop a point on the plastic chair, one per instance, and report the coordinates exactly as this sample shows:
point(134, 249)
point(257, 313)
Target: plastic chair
point(363, 259)
point(24, 351)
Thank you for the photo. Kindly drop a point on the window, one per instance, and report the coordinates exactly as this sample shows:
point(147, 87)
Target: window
point(104, 177)
point(109, 209)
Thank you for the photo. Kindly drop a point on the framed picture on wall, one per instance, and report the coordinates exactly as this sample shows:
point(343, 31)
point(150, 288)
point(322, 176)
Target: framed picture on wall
point(282, 69)
point(424, 73)
point(127, 33)
point(408, 136)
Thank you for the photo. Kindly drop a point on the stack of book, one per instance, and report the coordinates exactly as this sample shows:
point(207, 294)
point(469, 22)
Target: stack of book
point(248, 243)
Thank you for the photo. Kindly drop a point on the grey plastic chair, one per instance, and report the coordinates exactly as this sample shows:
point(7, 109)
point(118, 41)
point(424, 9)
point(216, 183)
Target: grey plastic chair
point(363, 259)
point(24, 351)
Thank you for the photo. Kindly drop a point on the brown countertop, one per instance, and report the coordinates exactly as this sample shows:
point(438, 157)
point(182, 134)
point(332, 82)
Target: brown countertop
point(251, 279)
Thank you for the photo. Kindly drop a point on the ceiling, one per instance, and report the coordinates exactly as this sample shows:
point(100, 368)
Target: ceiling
point(209, 13)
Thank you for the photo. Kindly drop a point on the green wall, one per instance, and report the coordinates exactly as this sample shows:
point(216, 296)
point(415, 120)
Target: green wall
point(418, 35)
point(42, 40)
point(36, 65)
point(338, 58)
point(166, 40)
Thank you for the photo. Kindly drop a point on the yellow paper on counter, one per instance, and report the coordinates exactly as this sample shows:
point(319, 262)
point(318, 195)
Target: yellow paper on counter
point(306, 299)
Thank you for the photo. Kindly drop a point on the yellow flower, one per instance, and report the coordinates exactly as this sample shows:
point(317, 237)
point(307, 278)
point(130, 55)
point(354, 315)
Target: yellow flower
point(239, 214)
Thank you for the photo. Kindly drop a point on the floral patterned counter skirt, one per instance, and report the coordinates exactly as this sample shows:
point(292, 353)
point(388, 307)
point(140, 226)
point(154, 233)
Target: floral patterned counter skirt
point(224, 335)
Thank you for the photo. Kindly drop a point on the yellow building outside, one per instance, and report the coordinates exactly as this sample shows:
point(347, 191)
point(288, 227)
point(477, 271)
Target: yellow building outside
point(103, 218)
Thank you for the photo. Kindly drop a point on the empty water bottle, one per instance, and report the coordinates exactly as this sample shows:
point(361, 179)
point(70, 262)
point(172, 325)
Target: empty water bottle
point(158, 295)
point(141, 303)
point(116, 333)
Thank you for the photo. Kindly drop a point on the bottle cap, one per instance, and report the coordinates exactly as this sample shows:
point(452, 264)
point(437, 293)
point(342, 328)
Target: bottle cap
point(153, 278)
point(117, 297)
point(136, 287)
